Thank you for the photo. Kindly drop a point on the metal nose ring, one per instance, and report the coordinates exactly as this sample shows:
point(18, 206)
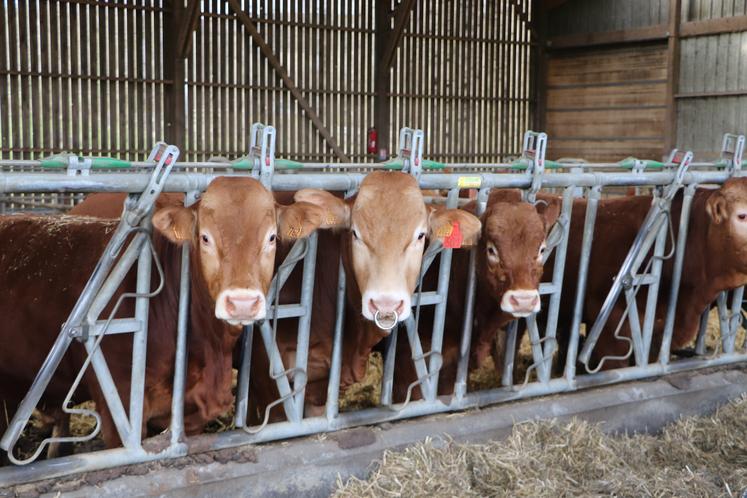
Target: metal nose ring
point(383, 326)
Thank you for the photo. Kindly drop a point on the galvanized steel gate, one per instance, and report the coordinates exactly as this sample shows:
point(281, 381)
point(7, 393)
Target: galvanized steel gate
point(144, 181)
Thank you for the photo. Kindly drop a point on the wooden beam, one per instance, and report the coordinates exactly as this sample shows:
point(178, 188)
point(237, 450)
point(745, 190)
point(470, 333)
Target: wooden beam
point(714, 26)
point(191, 17)
point(705, 95)
point(382, 80)
point(287, 81)
point(673, 74)
point(401, 16)
point(175, 113)
point(651, 33)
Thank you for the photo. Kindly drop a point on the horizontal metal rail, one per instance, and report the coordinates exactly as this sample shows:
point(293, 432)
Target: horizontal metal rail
point(291, 379)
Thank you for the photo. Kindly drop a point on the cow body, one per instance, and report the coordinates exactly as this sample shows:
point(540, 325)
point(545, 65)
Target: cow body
point(715, 260)
point(232, 232)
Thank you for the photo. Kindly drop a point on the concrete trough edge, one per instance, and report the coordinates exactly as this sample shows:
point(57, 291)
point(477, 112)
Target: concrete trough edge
point(311, 465)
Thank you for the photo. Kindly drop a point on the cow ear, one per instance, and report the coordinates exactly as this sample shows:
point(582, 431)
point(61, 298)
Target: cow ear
point(176, 223)
point(549, 212)
point(441, 223)
point(716, 207)
point(336, 212)
point(298, 220)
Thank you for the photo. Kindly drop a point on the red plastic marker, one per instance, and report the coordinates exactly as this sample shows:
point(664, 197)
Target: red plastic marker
point(454, 239)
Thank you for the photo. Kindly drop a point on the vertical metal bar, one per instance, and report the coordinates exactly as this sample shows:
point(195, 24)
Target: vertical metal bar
point(111, 395)
point(276, 361)
point(444, 269)
point(543, 371)
point(558, 272)
point(242, 390)
point(634, 321)
point(510, 353)
point(735, 319)
point(700, 345)
point(140, 341)
point(333, 388)
point(653, 290)
point(304, 322)
point(592, 204)
point(460, 387)
point(416, 348)
point(387, 381)
point(180, 357)
point(679, 258)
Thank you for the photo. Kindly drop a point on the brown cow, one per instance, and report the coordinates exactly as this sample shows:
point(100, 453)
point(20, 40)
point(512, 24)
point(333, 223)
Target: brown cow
point(509, 270)
point(386, 225)
point(715, 260)
point(46, 261)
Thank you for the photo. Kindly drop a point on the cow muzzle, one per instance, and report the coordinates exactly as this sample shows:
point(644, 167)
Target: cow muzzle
point(521, 302)
point(240, 306)
point(386, 309)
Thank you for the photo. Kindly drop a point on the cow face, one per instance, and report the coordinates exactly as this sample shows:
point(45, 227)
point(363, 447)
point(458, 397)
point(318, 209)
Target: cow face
point(513, 246)
point(388, 224)
point(235, 228)
point(727, 209)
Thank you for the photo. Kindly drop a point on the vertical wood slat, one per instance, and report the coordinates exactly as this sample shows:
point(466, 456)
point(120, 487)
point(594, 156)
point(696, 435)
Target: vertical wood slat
point(94, 78)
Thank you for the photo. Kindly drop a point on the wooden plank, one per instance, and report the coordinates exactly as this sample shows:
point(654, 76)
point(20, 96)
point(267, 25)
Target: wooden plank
point(394, 37)
point(673, 73)
point(607, 150)
point(650, 33)
point(634, 94)
point(717, 26)
point(602, 123)
point(287, 81)
point(609, 66)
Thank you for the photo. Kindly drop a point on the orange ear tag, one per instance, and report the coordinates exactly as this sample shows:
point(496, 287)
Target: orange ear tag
point(454, 239)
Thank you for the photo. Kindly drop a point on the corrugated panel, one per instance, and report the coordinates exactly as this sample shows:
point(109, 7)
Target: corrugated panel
point(713, 63)
point(607, 104)
point(702, 122)
point(698, 10)
point(591, 16)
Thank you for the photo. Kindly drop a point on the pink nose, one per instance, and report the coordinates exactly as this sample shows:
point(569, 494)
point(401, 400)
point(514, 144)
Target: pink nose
point(524, 302)
point(242, 306)
point(386, 305)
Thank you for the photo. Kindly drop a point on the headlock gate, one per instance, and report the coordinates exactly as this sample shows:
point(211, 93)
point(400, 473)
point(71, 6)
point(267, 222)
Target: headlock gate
point(532, 173)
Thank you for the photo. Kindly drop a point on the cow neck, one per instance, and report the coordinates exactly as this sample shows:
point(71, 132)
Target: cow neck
point(708, 267)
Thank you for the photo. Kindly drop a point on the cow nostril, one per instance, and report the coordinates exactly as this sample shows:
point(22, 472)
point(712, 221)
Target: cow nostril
point(400, 307)
point(372, 306)
point(514, 301)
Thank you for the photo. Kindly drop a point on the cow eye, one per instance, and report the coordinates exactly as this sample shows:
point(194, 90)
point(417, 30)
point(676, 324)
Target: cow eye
point(492, 251)
point(421, 235)
point(205, 239)
point(742, 216)
point(272, 238)
point(355, 234)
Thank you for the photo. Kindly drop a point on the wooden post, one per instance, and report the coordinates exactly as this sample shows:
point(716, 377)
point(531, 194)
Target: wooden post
point(174, 72)
point(539, 65)
point(673, 74)
point(382, 80)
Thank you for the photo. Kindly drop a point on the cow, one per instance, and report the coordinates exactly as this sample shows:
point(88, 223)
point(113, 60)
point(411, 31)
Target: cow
point(380, 234)
point(508, 269)
point(715, 260)
point(233, 233)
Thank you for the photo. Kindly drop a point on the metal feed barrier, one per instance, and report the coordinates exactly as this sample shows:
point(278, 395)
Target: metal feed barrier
point(531, 173)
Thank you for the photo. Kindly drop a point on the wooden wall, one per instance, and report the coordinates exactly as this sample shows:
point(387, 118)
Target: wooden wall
point(607, 104)
point(637, 83)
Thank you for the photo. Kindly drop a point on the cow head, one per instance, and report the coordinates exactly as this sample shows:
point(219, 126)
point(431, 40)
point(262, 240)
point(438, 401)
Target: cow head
point(388, 224)
point(727, 233)
point(234, 229)
point(513, 245)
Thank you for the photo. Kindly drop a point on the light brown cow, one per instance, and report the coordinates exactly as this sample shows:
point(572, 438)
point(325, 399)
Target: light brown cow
point(715, 260)
point(509, 271)
point(381, 236)
point(233, 231)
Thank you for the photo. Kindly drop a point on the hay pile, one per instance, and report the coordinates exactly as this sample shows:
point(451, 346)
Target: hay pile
point(693, 457)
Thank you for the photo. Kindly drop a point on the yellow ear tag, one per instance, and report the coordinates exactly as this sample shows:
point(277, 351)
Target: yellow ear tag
point(330, 219)
point(294, 232)
point(444, 231)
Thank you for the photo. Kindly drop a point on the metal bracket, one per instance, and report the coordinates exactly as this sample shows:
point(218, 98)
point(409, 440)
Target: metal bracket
point(262, 153)
point(732, 151)
point(533, 152)
point(410, 146)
